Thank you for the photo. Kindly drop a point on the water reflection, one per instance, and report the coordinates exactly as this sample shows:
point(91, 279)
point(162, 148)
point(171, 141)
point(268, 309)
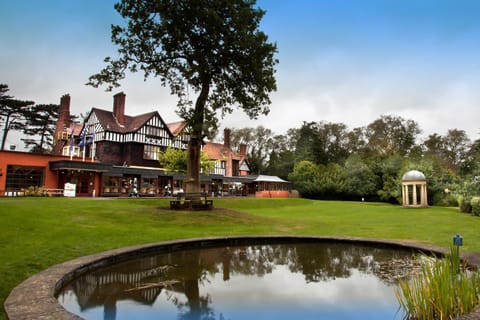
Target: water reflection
point(281, 281)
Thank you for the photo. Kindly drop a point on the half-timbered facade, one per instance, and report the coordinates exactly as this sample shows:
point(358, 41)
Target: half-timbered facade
point(130, 144)
point(113, 137)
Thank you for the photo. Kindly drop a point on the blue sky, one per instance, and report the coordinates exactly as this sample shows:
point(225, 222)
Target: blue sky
point(347, 61)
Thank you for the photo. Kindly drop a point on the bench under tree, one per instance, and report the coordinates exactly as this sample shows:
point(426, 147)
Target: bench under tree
point(191, 201)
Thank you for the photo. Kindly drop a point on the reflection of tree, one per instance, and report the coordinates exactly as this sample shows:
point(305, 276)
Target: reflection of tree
point(337, 260)
point(190, 270)
point(185, 272)
point(318, 262)
point(110, 309)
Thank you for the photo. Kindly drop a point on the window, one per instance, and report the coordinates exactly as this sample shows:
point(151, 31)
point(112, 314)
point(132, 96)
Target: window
point(150, 152)
point(219, 167)
point(112, 184)
point(63, 135)
point(235, 168)
point(22, 177)
point(149, 186)
point(153, 131)
point(75, 151)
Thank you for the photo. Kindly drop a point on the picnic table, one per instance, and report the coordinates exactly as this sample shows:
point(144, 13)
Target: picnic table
point(191, 201)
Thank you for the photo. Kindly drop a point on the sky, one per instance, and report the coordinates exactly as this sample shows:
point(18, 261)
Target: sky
point(348, 61)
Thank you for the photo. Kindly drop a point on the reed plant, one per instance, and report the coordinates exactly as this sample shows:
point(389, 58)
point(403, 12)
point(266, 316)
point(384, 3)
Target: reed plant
point(442, 289)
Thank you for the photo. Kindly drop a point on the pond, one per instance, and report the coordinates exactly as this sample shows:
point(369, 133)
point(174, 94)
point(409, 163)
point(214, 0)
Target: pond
point(311, 280)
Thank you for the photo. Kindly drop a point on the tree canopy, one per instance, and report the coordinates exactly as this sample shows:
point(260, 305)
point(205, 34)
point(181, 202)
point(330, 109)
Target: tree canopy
point(12, 113)
point(212, 48)
point(175, 160)
point(41, 122)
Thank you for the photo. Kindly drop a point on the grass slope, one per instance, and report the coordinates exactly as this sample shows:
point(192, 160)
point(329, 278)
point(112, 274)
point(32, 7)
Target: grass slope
point(36, 233)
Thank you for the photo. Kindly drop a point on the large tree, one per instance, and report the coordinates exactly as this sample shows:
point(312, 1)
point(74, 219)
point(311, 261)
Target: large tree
point(259, 143)
point(360, 180)
point(281, 159)
point(322, 142)
point(40, 127)
point(12, 113)
point(211, 47)
point(456, 144)
point(390, 135)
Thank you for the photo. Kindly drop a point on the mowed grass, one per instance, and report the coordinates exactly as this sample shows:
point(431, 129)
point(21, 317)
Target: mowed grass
point(36, 233)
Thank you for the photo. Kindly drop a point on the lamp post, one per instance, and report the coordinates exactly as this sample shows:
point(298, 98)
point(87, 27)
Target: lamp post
point(457, 242)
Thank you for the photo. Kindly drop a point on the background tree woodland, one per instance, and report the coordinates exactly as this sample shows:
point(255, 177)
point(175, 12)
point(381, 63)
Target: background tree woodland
point(323, 160)
point(329, 161)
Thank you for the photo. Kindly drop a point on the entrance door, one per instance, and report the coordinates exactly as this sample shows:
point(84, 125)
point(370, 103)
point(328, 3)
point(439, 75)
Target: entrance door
point(84, 181)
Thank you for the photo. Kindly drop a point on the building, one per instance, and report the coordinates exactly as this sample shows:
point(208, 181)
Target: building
point(116, 138)
point(114, 154)
point(227, 162)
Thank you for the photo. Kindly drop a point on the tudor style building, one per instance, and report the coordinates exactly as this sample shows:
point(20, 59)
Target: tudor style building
point(118, 139)
point(113, 154)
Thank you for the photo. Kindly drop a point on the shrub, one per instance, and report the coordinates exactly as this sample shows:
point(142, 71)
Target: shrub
point(305, 177)
point(439, 199)
point(475, 204)
point(450, 201)
point(465, 205)
point(35, 192)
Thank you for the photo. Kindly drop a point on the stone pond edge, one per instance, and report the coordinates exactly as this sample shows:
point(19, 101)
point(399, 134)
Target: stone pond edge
point(35, 298)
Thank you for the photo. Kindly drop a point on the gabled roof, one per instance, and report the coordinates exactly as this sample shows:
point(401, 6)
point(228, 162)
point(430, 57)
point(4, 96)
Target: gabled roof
point(76, 127)
point(266, 178)
point(109, 122)
point(244, 165)
point(216, 151)
point(176, 128)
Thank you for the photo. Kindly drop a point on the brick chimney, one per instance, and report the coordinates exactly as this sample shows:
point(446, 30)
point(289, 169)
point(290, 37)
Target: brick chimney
point(64, 112)
point(119, 107)
point(63, 120)
point(63, 124)
point(226, 138)
point(243, 149)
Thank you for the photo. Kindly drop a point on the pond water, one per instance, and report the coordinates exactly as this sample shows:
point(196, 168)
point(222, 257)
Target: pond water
point(266, 281)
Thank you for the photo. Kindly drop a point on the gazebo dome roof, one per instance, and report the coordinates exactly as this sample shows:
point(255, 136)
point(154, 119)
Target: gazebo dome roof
point(413, 175)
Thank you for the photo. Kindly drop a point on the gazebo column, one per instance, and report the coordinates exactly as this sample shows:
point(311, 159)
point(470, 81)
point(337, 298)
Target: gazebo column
point(424, 195)
point(405, 195)
point(415, 199)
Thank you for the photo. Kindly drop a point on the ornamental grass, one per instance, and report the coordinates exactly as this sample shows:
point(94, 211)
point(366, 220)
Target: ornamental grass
point(443, 289)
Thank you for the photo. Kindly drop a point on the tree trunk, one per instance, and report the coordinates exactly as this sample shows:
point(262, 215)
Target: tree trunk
point(42, 136)
point(192, 182)
point(5, 131)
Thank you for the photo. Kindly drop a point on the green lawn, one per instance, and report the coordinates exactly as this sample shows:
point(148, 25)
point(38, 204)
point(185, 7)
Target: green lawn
point(36, 233)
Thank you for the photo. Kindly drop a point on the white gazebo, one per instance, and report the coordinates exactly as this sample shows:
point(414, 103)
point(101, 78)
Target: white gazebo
point(414, 189)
